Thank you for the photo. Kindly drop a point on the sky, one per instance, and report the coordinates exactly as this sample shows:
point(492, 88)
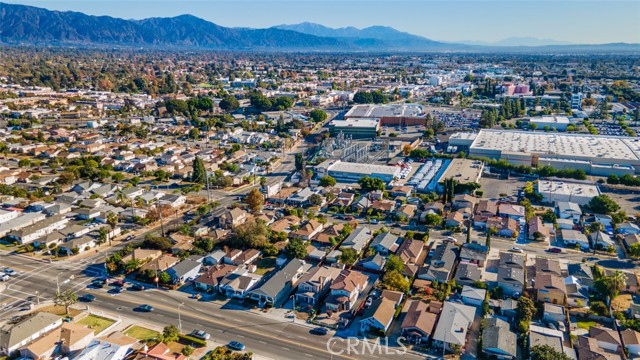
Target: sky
point(574, 21)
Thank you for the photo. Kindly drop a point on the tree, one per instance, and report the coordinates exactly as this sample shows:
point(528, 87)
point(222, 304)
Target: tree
point(194, 133)
point(615, 283)
point(327, 181)
point(229, 104)
point(199, 174)
point(159, 243)
point(433, 219)
point(66, 299)
point(394, 263)
point(596, 228)
point(295, 248)
point(348, 256)
point(315, 200)
point(205, 244)
point(394, 280)
point(603, 204)
point(170, 333)
point(117, 177)
point(406, 150)
point(549, 216)
point(317, 115)
point(524, 313)
point(252, 234)
point(164, 278)
point(634, 250)
point(134, 181)
point(546, 352)
point(187, 350)
point(370, 184)
point(24, 163)
point(299, 161)
point(255, 200)
point(103, 232)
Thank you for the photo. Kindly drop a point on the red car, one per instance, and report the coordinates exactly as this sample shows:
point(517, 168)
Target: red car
point(555, 250)
point(118, 283)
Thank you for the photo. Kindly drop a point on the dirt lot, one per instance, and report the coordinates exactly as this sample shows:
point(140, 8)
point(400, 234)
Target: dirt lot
point(629, 200)
point(494, 187)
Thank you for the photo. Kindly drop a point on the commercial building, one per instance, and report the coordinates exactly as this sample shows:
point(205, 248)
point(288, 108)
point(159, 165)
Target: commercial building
point(352, 172)
point(390, 114)
point(559, 123)
point(597, 155)
point(357, 128)
point(561, 191)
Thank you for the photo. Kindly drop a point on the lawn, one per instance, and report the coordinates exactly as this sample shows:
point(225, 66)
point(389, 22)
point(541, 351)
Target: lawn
point(265, 265)
point(621, 302)
point(141, 333)
point(59, 310)
point(97, 323)
point(586, 324)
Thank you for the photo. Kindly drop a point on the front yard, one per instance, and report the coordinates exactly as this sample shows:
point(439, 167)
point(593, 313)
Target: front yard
point(97, 323)
point(141, 333)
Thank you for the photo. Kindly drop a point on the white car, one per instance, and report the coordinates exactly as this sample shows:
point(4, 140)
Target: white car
point(4, 277)
point(517, 250)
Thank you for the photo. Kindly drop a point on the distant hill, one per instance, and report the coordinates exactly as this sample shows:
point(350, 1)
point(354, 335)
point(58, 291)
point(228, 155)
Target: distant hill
point(28, 25)
point(517, 41)
point(378, 35)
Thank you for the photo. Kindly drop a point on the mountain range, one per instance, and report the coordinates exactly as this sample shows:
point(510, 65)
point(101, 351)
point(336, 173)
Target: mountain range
point(28, 25)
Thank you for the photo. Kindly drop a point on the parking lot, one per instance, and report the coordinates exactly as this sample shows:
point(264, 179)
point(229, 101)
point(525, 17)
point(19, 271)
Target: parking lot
point(494, 187)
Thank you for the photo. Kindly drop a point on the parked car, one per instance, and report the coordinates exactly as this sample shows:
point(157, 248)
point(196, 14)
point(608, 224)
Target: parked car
point(555, 250)
point(318, 331)
point(4, 277)
point(368, 302)
point(87, 298)
point(200, 334)
point(137, 287)
point(129, 238)
point(145, 308)
point(236, 345)
point(10, 272)
point(516, 249)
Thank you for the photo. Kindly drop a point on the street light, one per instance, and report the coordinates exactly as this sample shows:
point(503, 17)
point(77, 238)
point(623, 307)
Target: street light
point(179, 318)
point(294, 308)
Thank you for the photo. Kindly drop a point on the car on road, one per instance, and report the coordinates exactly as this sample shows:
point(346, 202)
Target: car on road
point(4, 277)
point(374, 221)
point(200, 334)
point(318, 331)
point(137, 287)
point(87, 298)
point(555, 250)
point(116, 290)
point(129, 238)
point(97, 283)
point(368, 302)
point(145, 308)
point(117, 283)
point(236, 345)
point(10, 272)
point(516, 250)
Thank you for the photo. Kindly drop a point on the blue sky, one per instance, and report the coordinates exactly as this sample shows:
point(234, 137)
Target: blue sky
point(577, 21)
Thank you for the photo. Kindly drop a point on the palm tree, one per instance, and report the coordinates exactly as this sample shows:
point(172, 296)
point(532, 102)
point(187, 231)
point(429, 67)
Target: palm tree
point(616, 283)
point(596, 228)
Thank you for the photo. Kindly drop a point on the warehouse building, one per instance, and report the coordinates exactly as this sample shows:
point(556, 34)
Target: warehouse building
point(559, 123)
point(597, 155)
point(464, 171)
point(352, 172)
point(357, 128)
point(562, 191)
point(390, 114)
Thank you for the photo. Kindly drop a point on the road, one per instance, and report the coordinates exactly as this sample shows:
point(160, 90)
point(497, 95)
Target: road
point(265, 335)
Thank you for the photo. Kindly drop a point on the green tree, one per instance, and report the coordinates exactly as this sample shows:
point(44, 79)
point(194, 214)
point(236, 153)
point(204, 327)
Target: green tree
point(117, 177)
point(229, 104)
point(170, 333)
point(315, 200)
point(524, 312)
point(24, 163)
point(394, 280)
point(549, 216)
point(252, 234)
point(299, 162)
point(187, 350)
point(199, 174)
point(66, 299)
point(394, 263)
point(546, 352)
point(255, 200)
point(603, 204)
point(349, 256)
point(134, 181)
point(295, 248)
point(634, 250)
point(164, 278)
point(317, 115)
point(433, 219)
point(194, 133)
point(327, 181)
point(370, 184)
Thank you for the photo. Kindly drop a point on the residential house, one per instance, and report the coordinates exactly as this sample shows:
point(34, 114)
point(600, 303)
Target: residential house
point(78, 245)
point(550, 288)
point(601, 241)
point(184, 270)
point(378, 316)
point(406, 211)
point(404, 191)
point(346, 289)
point(14, 336)
point(511, 211)
point(74, 337)
point(575, 238)
point(631, 341)
point(30, 233)
point(505, 226)
point(511, 273)
point(455, 321)
point(357, 240)
point(461, 201)
point(628, 228)
point(315, 284)
point(142, 255)
point(582, 272)
point(115, 346)
point(467, 274)
point(210, 279)
point(159, 351)
point(383, 206)
point(238, 283)
point(442, 263)
point(473, 296)
point(233, 218)
point(279, 284)
point(386, 243)
point(630, 239)
point(498, 340)
point(374, 263)
point(284, 224)
point(301, 198)
point(454, 219)
point(547, 266)
point(539, 335)
point(537, 230)
point(568, 210)
point(419, 321)
point(307, 231)
point(173, 200)
point(474, 253)
point(411, 251)
point(162, 263)
point(553, 313)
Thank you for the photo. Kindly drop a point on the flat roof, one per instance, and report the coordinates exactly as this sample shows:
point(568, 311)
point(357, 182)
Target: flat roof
point(567, 188)
point(569, 145)
point(365, 169)
point(463, 170)
point(550, 119)
point(387, 110)
point(356, 122)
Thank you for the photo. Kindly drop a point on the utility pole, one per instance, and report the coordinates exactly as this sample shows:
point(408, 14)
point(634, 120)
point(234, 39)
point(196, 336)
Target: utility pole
point(179, 318)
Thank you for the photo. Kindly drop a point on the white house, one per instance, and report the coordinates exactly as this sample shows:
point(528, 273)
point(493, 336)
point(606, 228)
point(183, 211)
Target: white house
point(472, 296)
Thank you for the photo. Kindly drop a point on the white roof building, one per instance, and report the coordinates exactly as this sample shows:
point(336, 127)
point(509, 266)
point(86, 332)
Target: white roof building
point(566, 192)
